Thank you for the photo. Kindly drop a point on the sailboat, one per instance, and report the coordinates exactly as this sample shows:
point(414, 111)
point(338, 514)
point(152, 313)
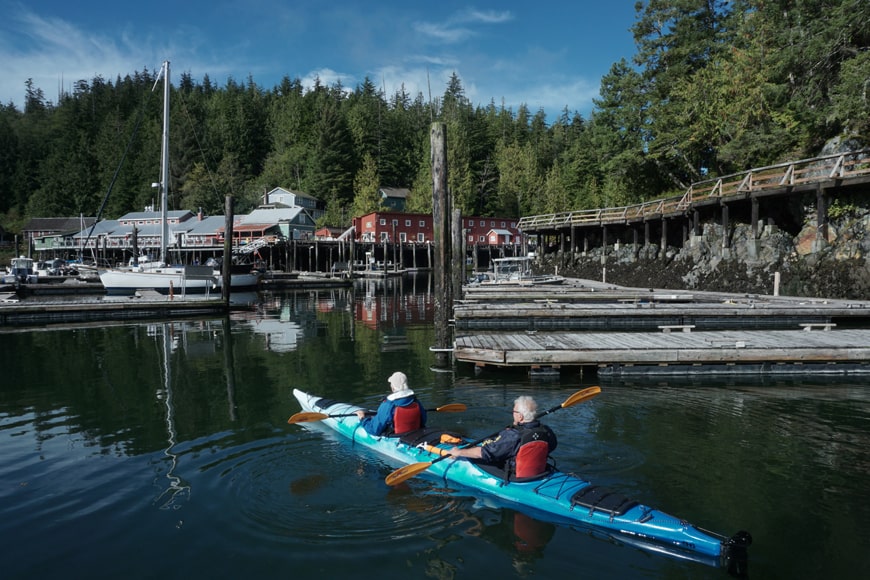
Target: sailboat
point(160, 275)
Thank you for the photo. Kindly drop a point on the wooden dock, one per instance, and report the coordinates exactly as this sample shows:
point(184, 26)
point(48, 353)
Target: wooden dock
point(146, 305)
point(584, 307)
point(625, 330)
point(664, 348)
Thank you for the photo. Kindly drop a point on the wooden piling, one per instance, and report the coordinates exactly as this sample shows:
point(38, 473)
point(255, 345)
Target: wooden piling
point(458, 269)
point(226, 264)
point(441, 237)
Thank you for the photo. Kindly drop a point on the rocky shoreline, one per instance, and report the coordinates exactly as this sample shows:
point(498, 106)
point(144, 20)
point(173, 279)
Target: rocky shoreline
point(808, 265)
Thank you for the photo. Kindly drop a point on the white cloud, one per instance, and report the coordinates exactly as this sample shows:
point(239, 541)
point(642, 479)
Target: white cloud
point(422, 56)
point(487, 17)
point(453, 31)
point(443, 32)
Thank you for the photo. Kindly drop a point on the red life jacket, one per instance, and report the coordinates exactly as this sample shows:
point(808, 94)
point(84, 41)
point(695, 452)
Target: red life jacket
point(407, 418)
point(531, 457)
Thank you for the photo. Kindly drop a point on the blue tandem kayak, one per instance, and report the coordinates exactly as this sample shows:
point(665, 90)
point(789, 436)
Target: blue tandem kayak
point(563, 498)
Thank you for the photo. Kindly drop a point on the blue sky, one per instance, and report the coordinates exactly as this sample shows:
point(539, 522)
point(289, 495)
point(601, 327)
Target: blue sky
point(545, 54)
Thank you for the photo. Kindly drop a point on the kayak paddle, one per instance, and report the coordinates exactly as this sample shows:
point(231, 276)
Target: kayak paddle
point(310, 416)
point(409, 471)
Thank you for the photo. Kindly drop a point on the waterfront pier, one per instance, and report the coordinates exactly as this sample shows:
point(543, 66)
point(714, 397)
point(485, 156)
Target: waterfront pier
point(621, 330)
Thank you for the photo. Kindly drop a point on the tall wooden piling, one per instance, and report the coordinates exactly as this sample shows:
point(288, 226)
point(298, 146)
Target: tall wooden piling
point(458, 270)
point(441, 237)
point(226, 264)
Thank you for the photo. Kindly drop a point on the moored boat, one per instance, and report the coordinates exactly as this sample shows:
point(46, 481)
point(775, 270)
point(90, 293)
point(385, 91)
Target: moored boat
point(564, 498)
point(515, 271)
point(21, 272)
point(158, 274)
point(165, 279)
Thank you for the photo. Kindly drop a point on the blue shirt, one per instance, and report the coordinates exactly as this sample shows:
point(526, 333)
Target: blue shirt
point(382, 422)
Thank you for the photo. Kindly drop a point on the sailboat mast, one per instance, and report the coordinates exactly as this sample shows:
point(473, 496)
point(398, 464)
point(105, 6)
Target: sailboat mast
point(164, 169)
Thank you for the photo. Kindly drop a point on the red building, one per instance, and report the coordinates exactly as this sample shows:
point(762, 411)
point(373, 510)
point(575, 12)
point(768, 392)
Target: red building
point(386, 226)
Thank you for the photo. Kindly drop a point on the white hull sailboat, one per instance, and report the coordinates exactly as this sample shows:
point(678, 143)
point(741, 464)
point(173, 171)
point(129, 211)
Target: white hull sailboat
point(166, 280)
point(160, 276)
point(175, 280)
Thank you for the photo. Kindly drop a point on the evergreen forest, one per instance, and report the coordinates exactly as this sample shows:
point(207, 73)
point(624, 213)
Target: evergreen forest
point(714, 87)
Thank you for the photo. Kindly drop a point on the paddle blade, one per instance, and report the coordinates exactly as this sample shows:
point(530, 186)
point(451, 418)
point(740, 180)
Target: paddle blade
point(307, 417)
point(581, 396)
point(452, 408)
point(407, 472)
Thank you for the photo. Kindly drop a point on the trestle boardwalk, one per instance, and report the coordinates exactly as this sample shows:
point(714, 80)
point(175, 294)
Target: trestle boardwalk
point(823, 176)
point(628, 330)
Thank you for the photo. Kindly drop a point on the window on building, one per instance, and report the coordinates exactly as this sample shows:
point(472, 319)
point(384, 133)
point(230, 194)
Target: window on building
point(421, 238)
point(368, 225)
point(383, 221)
point(502, 225)
point(403, 237)
point(407, 223)
point(482, 239)
point(422, 224)
point(492, 224)
point(471, 238)
point(395, 222)
point(384, 236)
point(483, 223)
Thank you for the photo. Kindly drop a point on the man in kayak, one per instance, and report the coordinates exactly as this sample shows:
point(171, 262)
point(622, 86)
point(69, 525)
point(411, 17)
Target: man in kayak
point(400, 413)
point(521, 450)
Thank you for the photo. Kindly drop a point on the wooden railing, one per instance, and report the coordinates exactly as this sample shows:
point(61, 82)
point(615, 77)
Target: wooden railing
point(840, 166)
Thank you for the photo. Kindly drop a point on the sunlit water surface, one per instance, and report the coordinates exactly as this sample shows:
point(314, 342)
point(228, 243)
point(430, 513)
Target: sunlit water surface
point(163, 450)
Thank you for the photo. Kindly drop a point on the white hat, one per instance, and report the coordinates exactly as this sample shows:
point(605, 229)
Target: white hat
point(398, 381)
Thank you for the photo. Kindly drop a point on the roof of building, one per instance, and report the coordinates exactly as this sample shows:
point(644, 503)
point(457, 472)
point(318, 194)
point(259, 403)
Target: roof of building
point(57, 224)
point(397, 192)
point(104, 227)
point(176, 214)
point(279, 190)
point(207, 225)
point(272, 215)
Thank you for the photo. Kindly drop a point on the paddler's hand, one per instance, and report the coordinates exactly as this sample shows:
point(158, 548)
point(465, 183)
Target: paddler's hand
point(361, 414)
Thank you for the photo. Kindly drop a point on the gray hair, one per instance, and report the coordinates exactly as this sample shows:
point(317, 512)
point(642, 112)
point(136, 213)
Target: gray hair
point(527, 407)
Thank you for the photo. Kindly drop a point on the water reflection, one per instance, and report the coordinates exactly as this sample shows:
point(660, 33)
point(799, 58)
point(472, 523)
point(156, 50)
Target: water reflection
point(138, 416)
point(523, 536)
point(178, 490)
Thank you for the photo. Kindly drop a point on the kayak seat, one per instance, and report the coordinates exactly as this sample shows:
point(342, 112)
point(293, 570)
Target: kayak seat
point(323, 403)
point(602, 499)
point(501, 473)
point(548, 471)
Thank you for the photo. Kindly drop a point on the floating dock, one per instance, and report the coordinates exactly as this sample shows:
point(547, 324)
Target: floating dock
point(625, 349)
point(625, 331)
point(144, 305)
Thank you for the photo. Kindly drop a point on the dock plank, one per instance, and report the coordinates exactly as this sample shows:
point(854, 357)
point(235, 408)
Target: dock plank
point(700, 347)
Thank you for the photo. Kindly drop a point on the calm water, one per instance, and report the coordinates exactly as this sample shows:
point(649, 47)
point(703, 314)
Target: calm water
point(163, 450)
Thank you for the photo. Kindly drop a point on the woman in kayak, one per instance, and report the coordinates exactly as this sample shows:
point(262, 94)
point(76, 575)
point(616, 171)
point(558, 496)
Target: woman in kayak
point(400, 413)
point(521, 450)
